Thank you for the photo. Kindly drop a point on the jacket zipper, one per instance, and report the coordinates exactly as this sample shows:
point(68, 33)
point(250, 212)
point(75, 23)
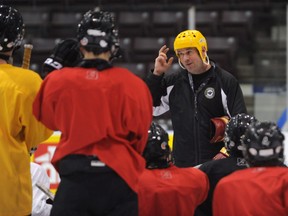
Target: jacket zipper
point(196, 125)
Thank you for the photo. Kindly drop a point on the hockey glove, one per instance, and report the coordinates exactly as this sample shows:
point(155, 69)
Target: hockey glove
point(218, 126)
point(65, 54)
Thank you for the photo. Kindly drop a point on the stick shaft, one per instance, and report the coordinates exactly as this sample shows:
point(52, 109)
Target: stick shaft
point(46, 191)
point(27, 56)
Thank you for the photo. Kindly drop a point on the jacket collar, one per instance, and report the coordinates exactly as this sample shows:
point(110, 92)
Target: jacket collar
point(99, 64)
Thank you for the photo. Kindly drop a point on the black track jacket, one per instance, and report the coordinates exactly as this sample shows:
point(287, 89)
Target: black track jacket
point(220, 94)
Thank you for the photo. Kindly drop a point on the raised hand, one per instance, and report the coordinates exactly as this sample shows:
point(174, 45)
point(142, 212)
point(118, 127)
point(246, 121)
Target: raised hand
point(162, 63)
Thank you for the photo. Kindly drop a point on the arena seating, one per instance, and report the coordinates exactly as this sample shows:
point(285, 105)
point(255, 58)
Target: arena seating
point(36, 23)
point(239, 33)
point(224, 51)
point(145, 49)
point(207, 22)
point(64, 24)
point(248, 21)
point(270, 67)
point(133, 23)
point(239, 24)
point(168, 23)
point(137, 68)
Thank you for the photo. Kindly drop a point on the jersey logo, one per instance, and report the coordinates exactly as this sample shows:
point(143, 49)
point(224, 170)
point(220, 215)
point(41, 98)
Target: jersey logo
point(209, 93)
point(166, 174)
point(92, 74)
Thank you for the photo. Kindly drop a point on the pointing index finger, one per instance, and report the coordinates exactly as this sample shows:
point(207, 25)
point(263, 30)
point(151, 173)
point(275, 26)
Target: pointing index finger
point(163, 49)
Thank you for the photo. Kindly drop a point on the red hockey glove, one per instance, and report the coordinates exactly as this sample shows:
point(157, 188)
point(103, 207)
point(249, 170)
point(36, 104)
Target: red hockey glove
point(218, 126)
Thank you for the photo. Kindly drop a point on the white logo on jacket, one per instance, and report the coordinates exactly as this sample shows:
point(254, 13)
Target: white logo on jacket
point(209, 93)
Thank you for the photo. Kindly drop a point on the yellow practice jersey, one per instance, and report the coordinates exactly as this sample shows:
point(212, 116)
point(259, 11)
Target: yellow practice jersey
point(19, 132)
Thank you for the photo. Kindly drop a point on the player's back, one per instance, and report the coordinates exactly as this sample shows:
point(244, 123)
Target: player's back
point(260, 191)
point(171, 191)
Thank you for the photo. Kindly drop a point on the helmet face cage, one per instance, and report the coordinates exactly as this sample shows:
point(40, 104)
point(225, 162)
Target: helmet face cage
point(191, 38)
point(97, 33)
point(11, 28)
point(263, 144)
point(157, 148)
point(235, 130)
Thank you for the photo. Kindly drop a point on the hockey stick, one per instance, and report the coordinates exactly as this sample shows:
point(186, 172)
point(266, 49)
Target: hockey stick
point(46, 191)
point(27, 56)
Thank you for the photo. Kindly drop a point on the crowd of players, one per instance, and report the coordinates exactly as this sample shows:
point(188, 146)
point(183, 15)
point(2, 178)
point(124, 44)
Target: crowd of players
point(112, 158)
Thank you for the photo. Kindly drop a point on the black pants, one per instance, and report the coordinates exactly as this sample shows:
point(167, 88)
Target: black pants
point(86, 190)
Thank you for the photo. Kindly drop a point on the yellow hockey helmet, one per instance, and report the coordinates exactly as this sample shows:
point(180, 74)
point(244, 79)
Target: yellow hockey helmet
point(191, 38)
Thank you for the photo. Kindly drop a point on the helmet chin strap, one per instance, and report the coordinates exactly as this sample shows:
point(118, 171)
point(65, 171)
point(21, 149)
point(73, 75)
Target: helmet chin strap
point(115, 53)
point(179, 62)
point(207, 62)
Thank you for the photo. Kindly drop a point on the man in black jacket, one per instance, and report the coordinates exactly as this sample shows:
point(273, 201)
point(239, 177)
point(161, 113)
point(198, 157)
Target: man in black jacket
point(195, 97)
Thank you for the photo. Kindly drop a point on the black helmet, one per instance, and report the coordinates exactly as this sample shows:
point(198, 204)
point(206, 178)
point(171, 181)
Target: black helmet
point(157, 150)
point(234, 130)
point(96, 32)
point(11, 28)
point(263, 144)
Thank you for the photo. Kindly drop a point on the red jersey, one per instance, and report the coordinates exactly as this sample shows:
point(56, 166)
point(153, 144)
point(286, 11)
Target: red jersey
point(172, 191)
point(104, 113)
point(261, 191)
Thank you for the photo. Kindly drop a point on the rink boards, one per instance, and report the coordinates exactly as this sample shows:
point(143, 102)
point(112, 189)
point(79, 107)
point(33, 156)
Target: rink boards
point(45, 152)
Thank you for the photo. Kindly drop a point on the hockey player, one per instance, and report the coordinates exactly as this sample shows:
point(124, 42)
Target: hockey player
point(19, 129)
point(103, 113)
point(165, 189)
point(260, 189)
point(217, 169)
